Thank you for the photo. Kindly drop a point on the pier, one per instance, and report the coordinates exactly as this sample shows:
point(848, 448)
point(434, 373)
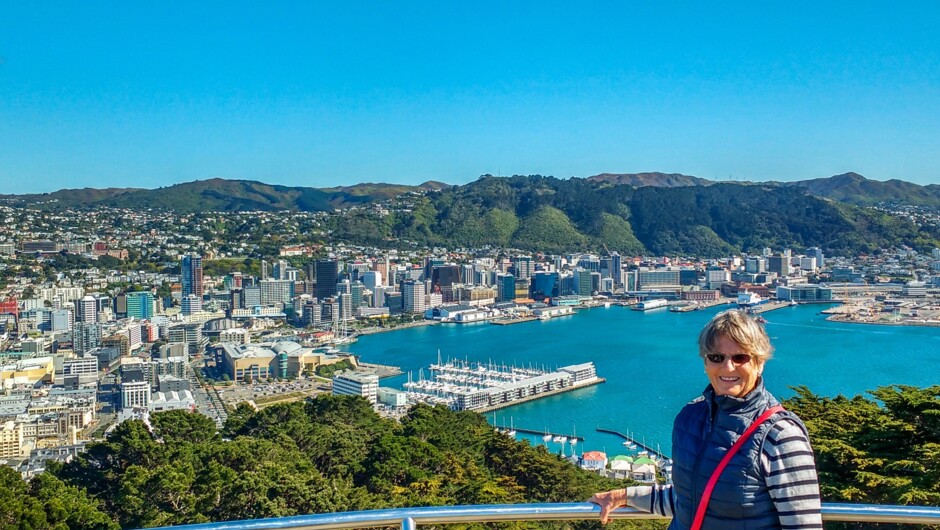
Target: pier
point(509, 321)
point(534, 432)
point(381, 370)
point(639, 444)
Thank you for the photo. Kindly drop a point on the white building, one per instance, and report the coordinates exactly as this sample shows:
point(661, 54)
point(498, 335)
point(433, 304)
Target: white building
point(356, 384)
point(135, 394)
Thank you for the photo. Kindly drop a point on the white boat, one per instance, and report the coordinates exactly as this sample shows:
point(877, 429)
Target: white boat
point(512, 430)
point(547, 437)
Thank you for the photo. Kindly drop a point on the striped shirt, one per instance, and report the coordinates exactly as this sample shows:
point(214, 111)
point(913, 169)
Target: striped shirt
point(789, 471)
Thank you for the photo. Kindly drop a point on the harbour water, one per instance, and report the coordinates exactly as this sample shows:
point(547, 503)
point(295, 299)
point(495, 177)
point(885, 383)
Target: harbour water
point(650, 362)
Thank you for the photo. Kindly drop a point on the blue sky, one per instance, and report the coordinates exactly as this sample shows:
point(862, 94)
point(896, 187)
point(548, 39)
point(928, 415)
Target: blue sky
point(148, 94)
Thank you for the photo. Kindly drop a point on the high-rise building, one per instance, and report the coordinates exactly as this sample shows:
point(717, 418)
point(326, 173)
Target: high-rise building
point(779, 263)
point(190, 304)
point(523, 266)
point(139, 304)
point(412, 293)
point(191, 275)
point(86, 336)
point(506, 287)
point(583, 282)
point(86, 309)
point(327, 274)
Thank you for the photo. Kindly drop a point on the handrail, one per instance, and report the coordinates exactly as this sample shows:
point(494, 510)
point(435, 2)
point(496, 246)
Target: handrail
point(410, 518)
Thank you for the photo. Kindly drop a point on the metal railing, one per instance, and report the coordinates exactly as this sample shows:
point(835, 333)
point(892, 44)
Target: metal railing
point(410, 518)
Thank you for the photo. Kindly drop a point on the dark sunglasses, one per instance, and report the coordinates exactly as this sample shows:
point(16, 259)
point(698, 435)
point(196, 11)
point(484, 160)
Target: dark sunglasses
point(719, 358)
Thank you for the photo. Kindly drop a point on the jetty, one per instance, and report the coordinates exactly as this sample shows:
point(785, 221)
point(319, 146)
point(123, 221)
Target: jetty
point(381, 370)
point(641, 445)
point(579, 439)
point(509, 321)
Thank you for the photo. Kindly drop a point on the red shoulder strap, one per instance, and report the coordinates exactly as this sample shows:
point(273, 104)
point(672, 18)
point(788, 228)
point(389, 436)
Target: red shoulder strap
point(706, 495)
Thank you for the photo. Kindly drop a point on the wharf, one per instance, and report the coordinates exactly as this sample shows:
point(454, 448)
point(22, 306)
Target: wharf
point(549, 433)
point(508, 321)
point(533, 397)
point(381, 370)
point(769, 306)
point(641, 445)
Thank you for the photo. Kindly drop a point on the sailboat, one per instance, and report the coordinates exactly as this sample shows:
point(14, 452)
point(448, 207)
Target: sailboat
point(547, 438)
point(512, 430)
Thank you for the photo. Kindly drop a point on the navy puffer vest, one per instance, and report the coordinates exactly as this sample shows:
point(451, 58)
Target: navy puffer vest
point(703, 432)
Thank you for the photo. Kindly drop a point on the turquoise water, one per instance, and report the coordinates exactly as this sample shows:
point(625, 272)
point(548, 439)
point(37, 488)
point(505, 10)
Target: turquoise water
point(651, 365)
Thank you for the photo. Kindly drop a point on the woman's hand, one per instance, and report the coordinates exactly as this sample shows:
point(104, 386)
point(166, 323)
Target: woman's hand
point(609, 501)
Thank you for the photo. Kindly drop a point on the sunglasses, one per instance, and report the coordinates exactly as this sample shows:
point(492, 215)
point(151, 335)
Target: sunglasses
point(719, 358)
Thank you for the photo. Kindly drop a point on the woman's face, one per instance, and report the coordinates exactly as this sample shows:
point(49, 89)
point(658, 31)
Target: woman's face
point(729, 378)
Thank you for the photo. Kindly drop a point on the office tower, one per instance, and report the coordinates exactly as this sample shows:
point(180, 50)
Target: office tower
point(86, 309)
point(276, 291)
point(190, 304)
point(523, 266)
point(355, 292)
point(583, 282)
point(817, 253)
point(616, 265)
point(779, 263)
point(505, 287)
point(310, 270)
point(86, 336)
point(467, 274)
point(372, 279)
point(345, 306)
point(191, 275)
point(412, 293)
point(430, 264)
point(327, 273)
point(265, 273)
point(139, 304)
point(445, 275)
point(280, 269)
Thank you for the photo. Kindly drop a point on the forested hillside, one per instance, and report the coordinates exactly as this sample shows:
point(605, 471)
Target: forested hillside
point(335, 454)
point(546, 214)
point(330, 454)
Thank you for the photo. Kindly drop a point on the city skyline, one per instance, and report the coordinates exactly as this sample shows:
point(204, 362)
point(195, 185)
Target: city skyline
point(111, 95)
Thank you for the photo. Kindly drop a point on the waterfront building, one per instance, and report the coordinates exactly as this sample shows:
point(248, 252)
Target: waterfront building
point(349, 383)
point(284, 359)
point(413, 299)
point(716, 276)
point(805, 293)
point(505, 287)
point(545, 285)
point(582, 282)
point(392, 397)
point(191, 275)
point(666, 278)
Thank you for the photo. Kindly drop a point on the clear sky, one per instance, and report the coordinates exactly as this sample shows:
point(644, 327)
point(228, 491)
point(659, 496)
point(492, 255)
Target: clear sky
point(148, 94)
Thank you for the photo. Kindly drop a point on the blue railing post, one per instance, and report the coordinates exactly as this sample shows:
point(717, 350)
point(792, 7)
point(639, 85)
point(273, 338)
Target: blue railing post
point(408, 524)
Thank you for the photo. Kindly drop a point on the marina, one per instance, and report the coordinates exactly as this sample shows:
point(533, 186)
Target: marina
point(462, 385)
point(651, 364)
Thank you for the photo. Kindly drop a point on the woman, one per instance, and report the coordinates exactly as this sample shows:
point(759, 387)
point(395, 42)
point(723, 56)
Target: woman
point(770, 482)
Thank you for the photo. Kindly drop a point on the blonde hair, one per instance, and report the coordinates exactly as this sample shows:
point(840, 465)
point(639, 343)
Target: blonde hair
point(739, 327)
